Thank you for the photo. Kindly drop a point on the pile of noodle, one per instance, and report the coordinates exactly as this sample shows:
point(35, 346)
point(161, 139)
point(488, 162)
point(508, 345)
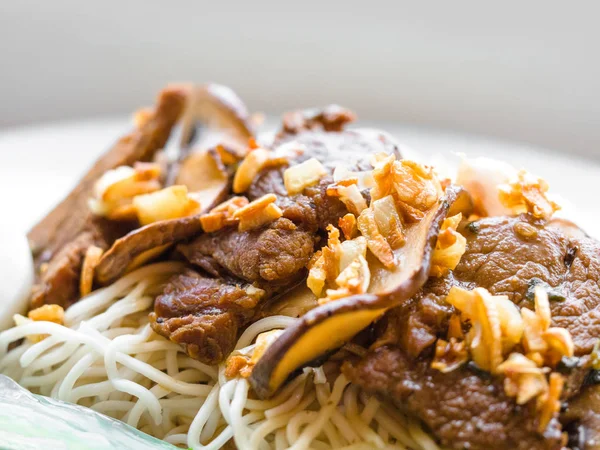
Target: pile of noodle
point(106, 357)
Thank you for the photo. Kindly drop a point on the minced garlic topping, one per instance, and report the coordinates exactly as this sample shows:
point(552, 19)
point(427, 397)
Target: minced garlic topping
point(521, 345)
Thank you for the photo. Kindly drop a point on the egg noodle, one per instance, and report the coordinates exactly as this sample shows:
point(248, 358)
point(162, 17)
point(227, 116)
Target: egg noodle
point(106, 357)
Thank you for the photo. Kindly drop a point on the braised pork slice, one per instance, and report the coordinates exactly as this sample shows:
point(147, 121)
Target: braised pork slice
point(61, 239)
point(507, 256)
point(204, 314)
point(276, 253)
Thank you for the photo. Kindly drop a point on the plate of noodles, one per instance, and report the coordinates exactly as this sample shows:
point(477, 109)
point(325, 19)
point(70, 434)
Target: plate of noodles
point(214, 283)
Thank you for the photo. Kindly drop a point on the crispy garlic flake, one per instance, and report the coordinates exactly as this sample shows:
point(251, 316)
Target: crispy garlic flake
point(498, 329)
point(340, 265)
point(415, 187)
point(115, 189)
point(90, 261)
point(527, 193)
point(261, 211)
point(168, 203)
point(252, 164)
point(222, 215)
point(303, 175)
point(449, 248)
point(46, 313)
point(242, 362)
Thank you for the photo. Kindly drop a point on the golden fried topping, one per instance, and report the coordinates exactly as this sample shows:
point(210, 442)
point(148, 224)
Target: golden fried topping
point(303, 175)
point(527, 193)
point(241, 364)
point(261, 211)
point(348, 226)
point(449, 355)
point(349, 194)
point(388, 221)
point(172, 202)
point(45, 313)
point(90, 261)
point(222, 215)
point(499, 328)
point(449, 248)
point(251, 166)
point(115, 189)
point(377, 243)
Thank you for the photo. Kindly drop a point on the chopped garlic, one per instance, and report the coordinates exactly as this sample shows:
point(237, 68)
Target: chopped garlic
point(169, 203)
point(249, 168)
point(449, 247)
point(115, 189)
point(303, 175)
point(261, 211)
point(527, 193)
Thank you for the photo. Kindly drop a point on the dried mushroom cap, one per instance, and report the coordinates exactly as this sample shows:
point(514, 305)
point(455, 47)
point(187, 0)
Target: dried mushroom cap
point(204, 174)
point(329, 326)
point(224, 114)
point(150, 241)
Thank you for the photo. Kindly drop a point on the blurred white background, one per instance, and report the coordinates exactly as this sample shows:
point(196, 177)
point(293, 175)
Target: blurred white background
point(526, 71)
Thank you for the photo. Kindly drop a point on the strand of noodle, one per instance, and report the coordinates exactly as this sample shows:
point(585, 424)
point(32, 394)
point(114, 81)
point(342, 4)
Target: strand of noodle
point(54, 376)
point(371, 407)
point(262, 325)
point(193, 439)
point(267, 427)
point(114, 315)
point(365, 432)
point(289, 404)
point(41, 327)
point(185, 361)
point(94, 302)
point(171, 360)
point(351, 405)
point(67, 384)
point(148, 346)
point(381, 431)
point(176, 439)
point(270, 425)
point(225, 395)
point(313, 430)
point(341, 422)
point(144, 395)
point(285, 393)
point(36, 357)
point(281, 442)
point(12, 357)
point(424, 441)
point(301, 418)
point(397, 432)
point(237, 407)
point(112, 356)
point(332, 435)
point(210, 428)
point(177, 430)
point(337, 417)
point(158, 391)
point(112, 333)
point(105, 387)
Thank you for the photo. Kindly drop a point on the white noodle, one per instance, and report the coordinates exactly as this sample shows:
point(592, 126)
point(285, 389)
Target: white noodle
point(108, 358)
